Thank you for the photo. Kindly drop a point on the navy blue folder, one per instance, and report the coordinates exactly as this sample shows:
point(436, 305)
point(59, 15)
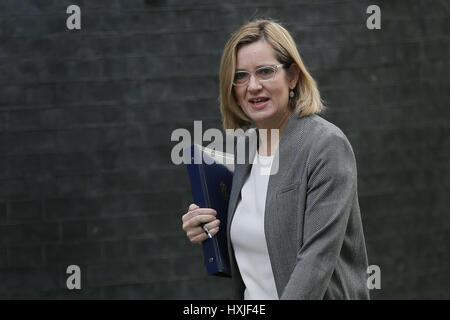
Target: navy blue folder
point(211, 174)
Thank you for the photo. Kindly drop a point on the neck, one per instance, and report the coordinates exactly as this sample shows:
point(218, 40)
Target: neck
point(268, 139)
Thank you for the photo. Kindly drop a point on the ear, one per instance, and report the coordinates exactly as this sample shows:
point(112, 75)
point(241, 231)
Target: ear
point(293, 75)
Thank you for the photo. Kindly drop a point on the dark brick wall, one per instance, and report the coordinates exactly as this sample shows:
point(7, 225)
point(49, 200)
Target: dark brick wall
point(86, 118)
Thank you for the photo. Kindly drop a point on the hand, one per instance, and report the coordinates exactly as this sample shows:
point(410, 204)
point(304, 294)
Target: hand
point(193, 220)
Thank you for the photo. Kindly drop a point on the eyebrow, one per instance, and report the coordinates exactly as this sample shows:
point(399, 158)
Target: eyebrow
point(258, 66)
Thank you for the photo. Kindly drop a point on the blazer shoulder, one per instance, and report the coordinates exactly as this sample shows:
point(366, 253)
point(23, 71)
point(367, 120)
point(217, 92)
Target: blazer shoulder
point(321, 134)
point(324, 128)
point(328, 136)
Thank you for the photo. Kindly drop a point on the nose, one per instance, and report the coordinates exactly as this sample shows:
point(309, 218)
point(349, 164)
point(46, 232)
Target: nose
point(253, 83)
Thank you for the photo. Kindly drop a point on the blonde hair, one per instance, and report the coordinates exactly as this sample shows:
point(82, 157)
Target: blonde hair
point(307, 98)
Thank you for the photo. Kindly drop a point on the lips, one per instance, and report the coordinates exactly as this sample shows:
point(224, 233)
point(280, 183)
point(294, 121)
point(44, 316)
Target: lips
point(258, 100)
point(258, 103)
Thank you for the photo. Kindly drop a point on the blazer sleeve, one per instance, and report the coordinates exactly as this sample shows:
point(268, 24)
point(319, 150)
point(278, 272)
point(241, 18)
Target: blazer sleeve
point(331, 189)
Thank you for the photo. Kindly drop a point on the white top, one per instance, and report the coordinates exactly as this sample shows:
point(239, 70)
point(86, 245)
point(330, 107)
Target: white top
point(247, 233)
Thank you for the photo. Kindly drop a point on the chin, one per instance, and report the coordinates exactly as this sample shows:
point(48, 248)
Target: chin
point(261, 117)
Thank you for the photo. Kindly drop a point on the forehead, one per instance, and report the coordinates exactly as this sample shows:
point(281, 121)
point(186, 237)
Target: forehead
point(254, 55)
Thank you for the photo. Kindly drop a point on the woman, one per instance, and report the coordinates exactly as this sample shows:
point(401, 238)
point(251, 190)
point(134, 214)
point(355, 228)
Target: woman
point(296, 233)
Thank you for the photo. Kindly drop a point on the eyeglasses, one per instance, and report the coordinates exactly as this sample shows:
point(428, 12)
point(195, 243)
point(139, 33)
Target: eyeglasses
point(263, 74)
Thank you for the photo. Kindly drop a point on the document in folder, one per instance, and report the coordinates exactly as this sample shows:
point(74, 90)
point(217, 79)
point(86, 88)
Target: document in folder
point(211, 174)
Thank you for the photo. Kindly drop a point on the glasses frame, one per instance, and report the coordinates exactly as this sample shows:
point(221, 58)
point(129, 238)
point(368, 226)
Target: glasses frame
point(253, 73)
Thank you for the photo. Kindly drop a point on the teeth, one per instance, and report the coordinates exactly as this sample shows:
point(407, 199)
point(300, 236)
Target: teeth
point(258, 100)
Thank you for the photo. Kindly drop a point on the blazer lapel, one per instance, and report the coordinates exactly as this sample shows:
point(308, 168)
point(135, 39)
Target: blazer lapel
point(284, 156)
point(291, 138)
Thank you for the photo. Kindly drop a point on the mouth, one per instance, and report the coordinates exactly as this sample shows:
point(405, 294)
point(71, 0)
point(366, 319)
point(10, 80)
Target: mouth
point(258, 102)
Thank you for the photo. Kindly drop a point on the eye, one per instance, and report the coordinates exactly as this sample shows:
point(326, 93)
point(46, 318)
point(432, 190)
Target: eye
point(240, 76)
point(265, 72)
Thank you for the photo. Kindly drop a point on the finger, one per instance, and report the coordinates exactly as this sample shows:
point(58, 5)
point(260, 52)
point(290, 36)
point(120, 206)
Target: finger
point(188, 214)
point(194, 232)
point(196, 221)
point(193, 206)
point(199, 238)
point(203, 236)
point(199, 211)
point(212, 224)
point(214, 231)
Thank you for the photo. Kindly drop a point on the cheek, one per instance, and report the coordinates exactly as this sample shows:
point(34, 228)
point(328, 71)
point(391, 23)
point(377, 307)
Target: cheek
point(239, 95)
point(281, 94)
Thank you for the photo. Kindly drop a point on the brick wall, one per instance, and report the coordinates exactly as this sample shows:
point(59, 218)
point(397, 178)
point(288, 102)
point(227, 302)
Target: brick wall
point(86, 117)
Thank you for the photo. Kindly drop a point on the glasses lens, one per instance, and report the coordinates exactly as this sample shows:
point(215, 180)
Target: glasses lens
point(241, 77)
point(265, 73)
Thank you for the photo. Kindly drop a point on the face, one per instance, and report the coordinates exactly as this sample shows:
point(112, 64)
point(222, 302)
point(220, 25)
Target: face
point(273, 111)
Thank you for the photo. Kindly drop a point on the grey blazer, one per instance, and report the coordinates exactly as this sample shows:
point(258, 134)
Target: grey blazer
point(312, 220)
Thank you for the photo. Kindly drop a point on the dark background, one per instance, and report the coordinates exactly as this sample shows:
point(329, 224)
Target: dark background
point(86, 117)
